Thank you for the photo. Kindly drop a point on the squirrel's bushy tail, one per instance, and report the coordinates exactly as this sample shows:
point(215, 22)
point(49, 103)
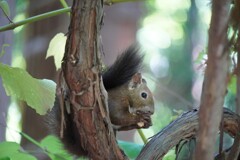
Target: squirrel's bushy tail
point(69, 139)
point(123, 69)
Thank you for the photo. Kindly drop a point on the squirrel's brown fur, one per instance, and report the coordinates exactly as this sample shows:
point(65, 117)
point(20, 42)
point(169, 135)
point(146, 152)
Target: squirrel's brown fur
point(130, 101)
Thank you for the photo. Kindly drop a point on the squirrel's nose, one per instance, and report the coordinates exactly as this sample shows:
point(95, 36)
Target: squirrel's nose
point(145, 110)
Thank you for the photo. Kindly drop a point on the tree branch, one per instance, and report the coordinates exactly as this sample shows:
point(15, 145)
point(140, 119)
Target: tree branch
point(184, 128)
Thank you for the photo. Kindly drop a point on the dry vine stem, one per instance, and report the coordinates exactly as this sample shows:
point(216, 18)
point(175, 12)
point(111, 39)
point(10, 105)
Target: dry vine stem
point(183, 128)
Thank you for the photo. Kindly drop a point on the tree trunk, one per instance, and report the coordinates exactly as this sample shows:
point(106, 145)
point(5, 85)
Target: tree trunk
point(215, 81)
point(81, 65)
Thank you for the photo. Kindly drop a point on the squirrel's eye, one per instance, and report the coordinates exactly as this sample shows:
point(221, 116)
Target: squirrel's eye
point(144, 95)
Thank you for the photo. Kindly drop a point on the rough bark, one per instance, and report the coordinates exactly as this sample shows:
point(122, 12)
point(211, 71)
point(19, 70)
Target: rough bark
point(81, 65)
point(184, 128)
point(215, 80)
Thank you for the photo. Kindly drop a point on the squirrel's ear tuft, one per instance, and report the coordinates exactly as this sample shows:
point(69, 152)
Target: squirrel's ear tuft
point(135, 81)
point(144, 81)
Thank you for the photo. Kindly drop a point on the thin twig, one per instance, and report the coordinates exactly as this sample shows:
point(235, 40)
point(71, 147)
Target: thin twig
point(66, 9)
point(34, 19)
point(64, 4)
point(143, 137)
point(6, 15)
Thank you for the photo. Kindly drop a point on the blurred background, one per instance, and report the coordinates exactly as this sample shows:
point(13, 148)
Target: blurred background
point(172, 33)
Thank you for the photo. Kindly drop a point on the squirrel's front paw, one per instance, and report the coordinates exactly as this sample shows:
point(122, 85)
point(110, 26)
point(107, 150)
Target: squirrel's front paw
point(145, 121)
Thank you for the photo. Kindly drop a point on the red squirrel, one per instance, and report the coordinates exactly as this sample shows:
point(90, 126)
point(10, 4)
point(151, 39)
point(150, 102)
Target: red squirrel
point(130, 101)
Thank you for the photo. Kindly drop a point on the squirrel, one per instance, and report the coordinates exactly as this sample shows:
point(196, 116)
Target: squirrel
point(130, 102)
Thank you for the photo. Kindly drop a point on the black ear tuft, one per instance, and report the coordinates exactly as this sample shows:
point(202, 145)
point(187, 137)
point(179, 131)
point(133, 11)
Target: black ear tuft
point(123, 69)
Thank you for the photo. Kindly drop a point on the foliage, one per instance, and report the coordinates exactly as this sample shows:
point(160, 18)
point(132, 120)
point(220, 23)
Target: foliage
point(56, 49)
point(170, 155)
point(53, 147)
point(38, 94)
point(50, 145)
point(13, 151)
point(5, 8)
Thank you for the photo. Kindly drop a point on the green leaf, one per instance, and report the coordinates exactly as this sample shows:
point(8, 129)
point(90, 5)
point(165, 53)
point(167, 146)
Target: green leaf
point(170, 155)
point(24, 156)
point(232, 86)
point(38, 94)
point(55, 148)
point(56, 49)
point(5, 7)
point(8, 148)
point(5, 158)
point(132, 150)
point(13, 151)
